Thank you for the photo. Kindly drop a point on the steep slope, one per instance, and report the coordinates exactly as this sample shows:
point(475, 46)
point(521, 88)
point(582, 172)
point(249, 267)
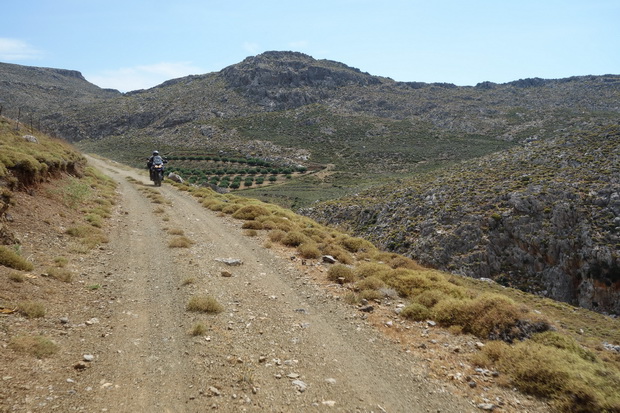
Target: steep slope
point(544, 218)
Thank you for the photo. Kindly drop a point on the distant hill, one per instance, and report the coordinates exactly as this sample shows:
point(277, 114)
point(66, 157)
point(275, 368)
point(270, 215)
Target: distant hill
point(363, 131)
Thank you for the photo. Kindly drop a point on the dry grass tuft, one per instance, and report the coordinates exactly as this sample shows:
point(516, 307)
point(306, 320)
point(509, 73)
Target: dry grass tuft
point(252, 225)
point(31, 309)
point(251, 212)
point(199, 329)
point(17, 277)
point(60, 274)
point(180, 242)
point(37, 346)
point(277, 235)
point(10, 258)
point(204, 304)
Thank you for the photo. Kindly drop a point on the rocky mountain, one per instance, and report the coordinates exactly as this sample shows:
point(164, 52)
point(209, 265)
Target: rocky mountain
point(42, 90)
point(292, 100)
point(544, 217)
point(514, 204)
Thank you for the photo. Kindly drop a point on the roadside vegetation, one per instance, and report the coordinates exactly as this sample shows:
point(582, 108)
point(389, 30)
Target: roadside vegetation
point(73, 202)
point(529, 340)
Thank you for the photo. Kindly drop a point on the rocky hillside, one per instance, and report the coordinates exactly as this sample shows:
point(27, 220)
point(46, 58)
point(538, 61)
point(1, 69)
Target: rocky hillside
point(538, 213)
point(342, 116)
point(544, 218)
point(42, 91)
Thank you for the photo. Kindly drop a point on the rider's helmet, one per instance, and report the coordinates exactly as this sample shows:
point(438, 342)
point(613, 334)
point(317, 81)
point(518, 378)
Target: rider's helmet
point(155, 153)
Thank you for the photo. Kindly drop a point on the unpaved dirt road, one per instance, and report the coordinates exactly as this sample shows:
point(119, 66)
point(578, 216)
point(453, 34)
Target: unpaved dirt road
point(282, 344)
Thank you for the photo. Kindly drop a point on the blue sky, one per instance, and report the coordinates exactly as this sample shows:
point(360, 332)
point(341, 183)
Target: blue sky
point(129, 45)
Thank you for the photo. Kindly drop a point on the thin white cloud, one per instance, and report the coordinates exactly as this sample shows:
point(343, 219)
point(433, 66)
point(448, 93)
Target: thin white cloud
point(301, 44)
point(253, 48)
point(15, 50)
point(142, 77)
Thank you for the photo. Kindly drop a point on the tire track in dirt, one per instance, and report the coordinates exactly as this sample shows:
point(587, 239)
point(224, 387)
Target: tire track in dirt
point(282, 343)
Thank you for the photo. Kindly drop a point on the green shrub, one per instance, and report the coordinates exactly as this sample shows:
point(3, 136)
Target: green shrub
point(491, 313)
point(199, 329)
point(408, 282)
point(17, 277)
point(371, 295)
point(450, 312)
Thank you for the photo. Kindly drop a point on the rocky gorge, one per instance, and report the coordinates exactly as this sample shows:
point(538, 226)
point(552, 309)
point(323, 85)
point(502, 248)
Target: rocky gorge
point(544, 218)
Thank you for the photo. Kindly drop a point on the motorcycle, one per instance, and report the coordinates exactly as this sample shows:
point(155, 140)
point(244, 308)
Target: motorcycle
point(157, 170)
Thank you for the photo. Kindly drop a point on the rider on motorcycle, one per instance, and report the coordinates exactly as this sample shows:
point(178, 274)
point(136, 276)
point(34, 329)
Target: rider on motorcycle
point(154, 159)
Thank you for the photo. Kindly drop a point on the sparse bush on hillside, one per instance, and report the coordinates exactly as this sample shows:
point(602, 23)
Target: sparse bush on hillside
point(277, 235)
point(231, 208)
point(573, 383)
point(294, 239)
point(10, 258)
point(415, 312)
point(369, 283)
point(369, 269)
point(309, 250)
point(252, 225)
point(341, 273)
point(339, 253)
point(430, 298)
point(355, 244)
point(250, 212)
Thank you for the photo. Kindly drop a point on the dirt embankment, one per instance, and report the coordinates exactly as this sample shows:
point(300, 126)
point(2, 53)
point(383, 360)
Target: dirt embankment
point(282, 343)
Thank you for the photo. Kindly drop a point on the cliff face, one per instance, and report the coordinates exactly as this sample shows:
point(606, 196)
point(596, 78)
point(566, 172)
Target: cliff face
point(544, 218)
